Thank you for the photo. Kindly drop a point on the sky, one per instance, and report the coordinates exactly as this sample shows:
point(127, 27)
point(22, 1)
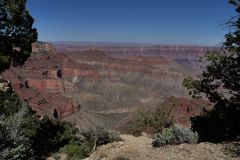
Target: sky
point(181, 22)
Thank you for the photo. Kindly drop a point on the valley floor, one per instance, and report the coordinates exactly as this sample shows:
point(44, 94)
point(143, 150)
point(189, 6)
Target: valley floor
point(139, 148)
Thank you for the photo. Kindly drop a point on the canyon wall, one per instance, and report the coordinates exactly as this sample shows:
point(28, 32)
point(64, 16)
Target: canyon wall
point(92, 85)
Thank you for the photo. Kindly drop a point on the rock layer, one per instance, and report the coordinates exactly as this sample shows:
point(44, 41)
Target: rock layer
point(93, 85)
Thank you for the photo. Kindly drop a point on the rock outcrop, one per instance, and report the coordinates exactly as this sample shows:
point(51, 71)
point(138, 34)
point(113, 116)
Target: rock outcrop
point(4, 85)
point(43, 47)
point(38, 84)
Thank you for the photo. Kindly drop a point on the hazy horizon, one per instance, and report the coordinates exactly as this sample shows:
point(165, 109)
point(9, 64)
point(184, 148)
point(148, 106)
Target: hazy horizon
point(130, 43)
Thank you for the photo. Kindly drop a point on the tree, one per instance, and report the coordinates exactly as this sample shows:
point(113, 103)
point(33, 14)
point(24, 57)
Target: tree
point(24, 135)
point(15, 145)
point(16, 37)
point(16, 33)
point(220, 83)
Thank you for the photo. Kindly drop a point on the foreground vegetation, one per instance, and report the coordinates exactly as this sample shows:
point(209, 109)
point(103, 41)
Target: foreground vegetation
point(25, 135)
point(152, 119)
point(175, 134)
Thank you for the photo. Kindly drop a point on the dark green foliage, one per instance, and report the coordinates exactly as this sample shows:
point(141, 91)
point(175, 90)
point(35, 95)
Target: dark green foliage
point(232, 149)
point(8, 103)
point(76, 151)
point(175, 135)
point(83, 148)
point(220, 83)
point(23, 135)
point(51, 135)
point(156, 118)
point(15, 145)
point(16, 33)
point(89, 141)
point(219, 124)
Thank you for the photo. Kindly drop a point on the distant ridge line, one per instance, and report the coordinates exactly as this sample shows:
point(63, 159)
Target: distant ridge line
point(127, 44)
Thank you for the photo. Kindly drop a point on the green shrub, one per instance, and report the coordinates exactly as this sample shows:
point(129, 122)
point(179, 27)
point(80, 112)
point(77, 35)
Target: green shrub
point(89, 141)
point(232, 149)
point(156, 117)
point(14, 145)
point(51, 135)
point(24, 136)
point(101, 136)
point(75, 151)
point(175, 135)
point(114, 136)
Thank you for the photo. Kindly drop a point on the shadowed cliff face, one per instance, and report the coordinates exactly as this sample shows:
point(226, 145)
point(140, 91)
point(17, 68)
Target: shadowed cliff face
point(105, 84)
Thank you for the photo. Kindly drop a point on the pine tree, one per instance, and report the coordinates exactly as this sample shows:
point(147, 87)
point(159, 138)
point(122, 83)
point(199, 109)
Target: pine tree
point(16, 33)
point(220, 83)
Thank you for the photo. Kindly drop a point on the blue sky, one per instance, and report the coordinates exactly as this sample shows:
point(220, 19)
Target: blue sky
point(192, 22)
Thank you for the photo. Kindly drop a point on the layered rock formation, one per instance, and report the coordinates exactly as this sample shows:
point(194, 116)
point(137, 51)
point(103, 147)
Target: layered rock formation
point(126, 50)
point(38, 82)
point(93, 85)
point(43, 47)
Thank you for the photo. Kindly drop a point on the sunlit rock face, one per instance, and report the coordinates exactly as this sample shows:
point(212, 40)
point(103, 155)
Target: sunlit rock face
point(105, 84)
point(43, 47)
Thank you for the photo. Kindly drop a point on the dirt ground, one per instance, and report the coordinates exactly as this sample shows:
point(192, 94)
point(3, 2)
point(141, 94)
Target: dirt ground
point(140, 148)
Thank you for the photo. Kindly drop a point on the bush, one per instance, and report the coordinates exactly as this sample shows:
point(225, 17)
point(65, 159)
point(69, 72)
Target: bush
point(24, 136)
point(232, 149)
point(89, 141)
point(175, 135)
point(51, 135)
point(114, 136)
point(219, 124)
point(14, 144)
point(75, 151)
point(154, 117)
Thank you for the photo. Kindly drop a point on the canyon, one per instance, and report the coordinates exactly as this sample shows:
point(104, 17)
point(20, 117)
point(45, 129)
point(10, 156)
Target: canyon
point(105, 84)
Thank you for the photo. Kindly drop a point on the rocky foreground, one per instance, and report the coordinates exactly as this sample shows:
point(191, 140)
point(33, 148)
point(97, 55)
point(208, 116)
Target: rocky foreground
point(140, 148)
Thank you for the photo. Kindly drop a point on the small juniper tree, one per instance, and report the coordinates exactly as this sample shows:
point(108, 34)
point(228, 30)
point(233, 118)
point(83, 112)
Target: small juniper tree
point(14, 144)
point(220, 83)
